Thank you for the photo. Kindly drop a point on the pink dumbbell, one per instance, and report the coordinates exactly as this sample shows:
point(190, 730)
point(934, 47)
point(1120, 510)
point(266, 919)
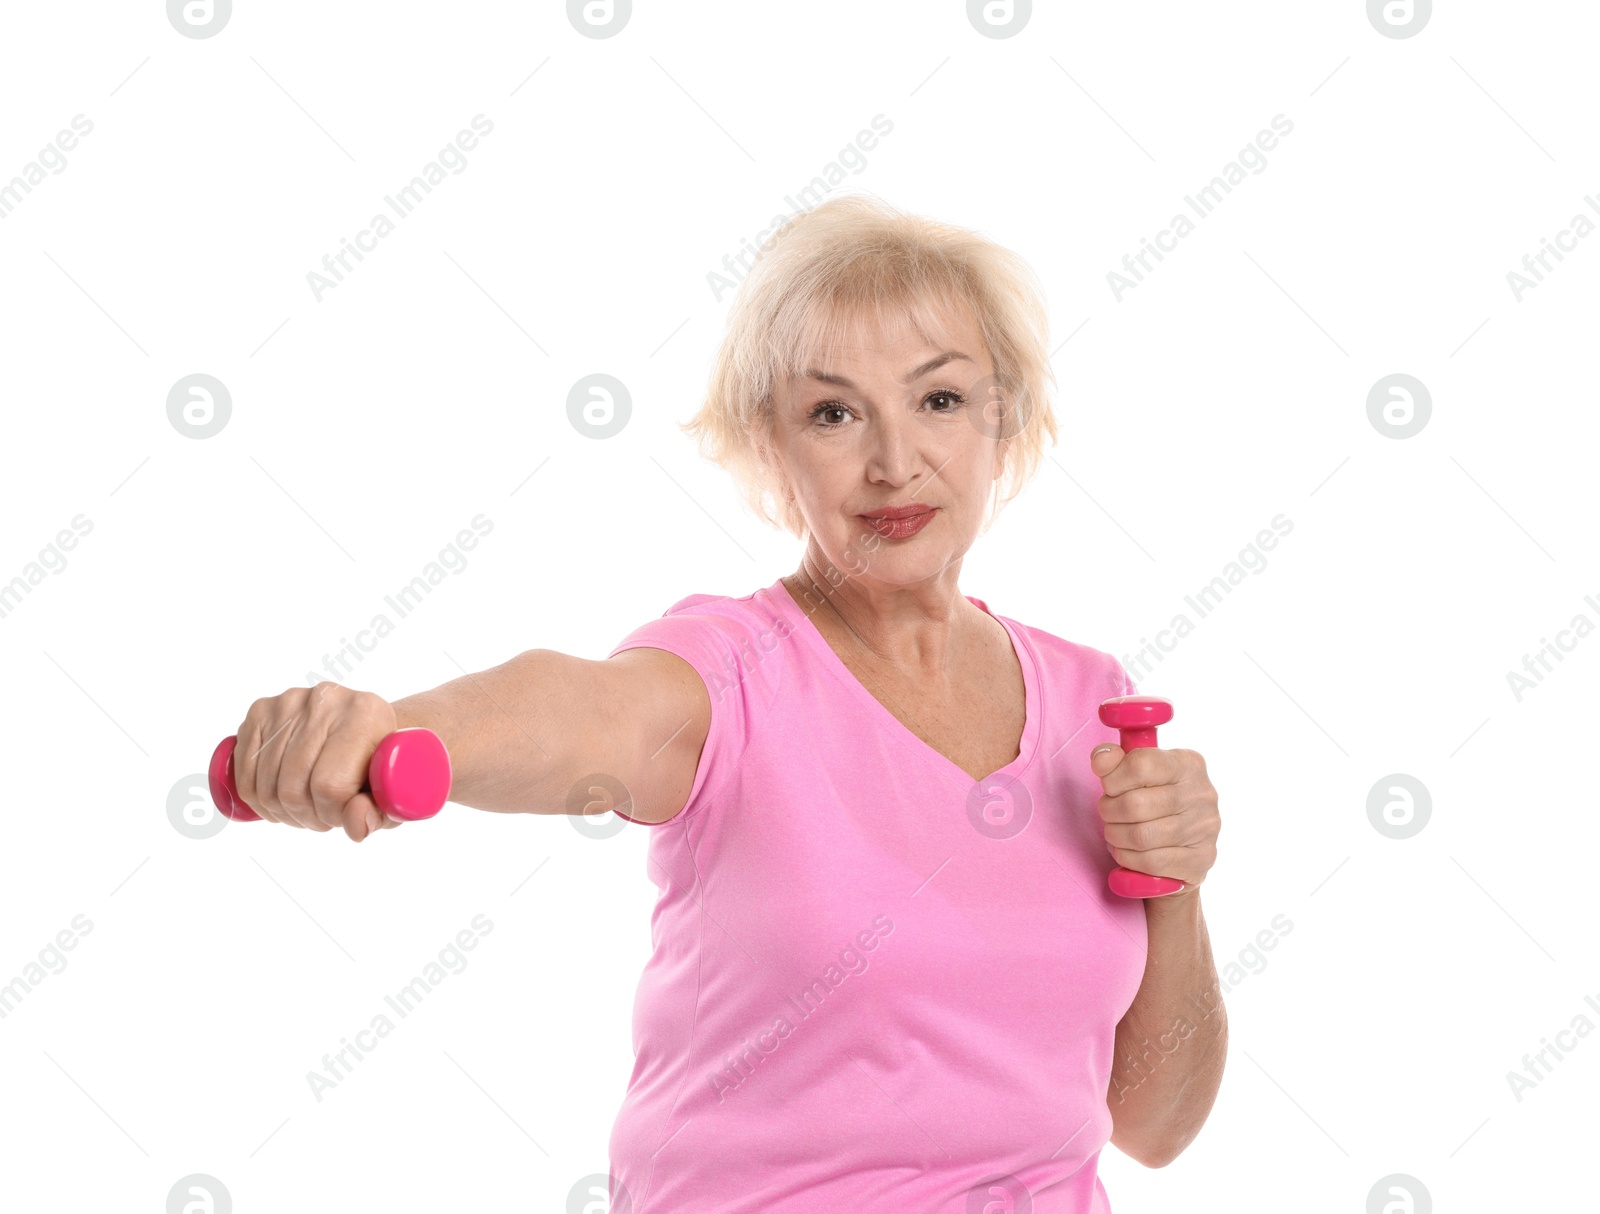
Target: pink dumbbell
point(1137, 717)
point(409, 777)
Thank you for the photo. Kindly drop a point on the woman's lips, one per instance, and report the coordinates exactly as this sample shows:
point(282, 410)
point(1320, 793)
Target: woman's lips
point(897, 525)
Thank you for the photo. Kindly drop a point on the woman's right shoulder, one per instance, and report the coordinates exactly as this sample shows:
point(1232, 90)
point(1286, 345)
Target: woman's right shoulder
point(735, 647)
point(731, 641)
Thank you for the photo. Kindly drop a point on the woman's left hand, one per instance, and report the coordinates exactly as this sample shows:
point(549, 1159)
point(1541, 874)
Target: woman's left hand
point(1160, 812)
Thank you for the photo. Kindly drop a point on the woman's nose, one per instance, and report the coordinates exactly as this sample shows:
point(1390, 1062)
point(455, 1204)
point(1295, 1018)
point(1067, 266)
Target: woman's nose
point(894, 455)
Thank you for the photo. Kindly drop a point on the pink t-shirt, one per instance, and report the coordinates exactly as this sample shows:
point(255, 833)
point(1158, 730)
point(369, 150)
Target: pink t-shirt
point(876, 984)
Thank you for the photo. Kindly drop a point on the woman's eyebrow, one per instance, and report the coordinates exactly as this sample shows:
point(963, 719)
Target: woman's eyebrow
point(933, 364)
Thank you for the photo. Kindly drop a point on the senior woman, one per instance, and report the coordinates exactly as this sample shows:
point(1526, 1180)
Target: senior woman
point(887, 974)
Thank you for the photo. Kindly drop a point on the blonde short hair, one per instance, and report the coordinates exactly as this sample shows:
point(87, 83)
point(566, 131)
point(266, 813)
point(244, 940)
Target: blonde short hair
point(816, 277)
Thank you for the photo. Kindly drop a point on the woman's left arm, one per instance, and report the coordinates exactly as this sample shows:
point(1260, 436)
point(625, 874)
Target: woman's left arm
point(1160, 814)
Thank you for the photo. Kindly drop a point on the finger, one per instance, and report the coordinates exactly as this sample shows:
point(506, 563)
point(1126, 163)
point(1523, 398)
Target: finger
point(269, 753)
point(300, 757)
point(1177, 862)
point(1103, 760)
point(266, 754)
point(247, 741)
point(360, 817)
point(1147, 767)
point(1141, 804)
point(1151, 835)
point(341, 769)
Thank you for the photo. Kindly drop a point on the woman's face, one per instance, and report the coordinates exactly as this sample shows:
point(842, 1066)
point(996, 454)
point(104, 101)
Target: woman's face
point(894, 421)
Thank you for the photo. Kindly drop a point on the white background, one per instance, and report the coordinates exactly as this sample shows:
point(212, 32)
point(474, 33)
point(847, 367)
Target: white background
point(370, 427)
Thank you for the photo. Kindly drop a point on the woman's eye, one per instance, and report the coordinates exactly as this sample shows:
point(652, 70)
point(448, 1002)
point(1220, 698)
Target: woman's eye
point(823, 411)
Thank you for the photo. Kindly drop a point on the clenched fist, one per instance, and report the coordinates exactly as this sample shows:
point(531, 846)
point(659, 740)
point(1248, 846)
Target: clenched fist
point(1160, 813)
point(301, 758)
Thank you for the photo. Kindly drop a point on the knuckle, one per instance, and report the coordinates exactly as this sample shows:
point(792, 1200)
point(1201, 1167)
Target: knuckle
point(371, 711)
point(328, 787)
point(294, 801)
point(332, 699)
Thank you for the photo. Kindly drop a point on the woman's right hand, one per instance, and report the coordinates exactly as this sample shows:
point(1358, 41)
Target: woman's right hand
point(301, 758)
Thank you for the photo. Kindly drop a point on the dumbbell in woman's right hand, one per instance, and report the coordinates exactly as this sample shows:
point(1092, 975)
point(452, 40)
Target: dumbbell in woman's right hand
point(328, 756)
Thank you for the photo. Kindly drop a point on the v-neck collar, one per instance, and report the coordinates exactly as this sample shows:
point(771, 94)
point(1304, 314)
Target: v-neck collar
point(1025, 658)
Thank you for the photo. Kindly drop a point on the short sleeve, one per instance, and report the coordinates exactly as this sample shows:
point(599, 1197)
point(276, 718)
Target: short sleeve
point(712, 643)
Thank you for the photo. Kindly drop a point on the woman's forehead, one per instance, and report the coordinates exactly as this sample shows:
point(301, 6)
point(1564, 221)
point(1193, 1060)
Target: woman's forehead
point(846, 337)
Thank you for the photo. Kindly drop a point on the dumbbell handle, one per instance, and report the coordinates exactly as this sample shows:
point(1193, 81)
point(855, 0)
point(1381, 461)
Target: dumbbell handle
point(1136, 718)
point(408, 777)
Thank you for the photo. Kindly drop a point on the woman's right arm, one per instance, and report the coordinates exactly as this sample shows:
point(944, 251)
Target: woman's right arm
point(520, 736)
